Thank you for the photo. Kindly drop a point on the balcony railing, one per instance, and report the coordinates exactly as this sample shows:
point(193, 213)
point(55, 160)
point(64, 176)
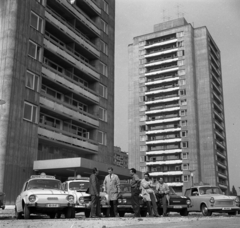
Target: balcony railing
point(163, 120)
point(93, 5)
point(164, 107)
point(160, 62)
point(175, 85)
point(163, 141)
point(163, 77)
point(73, 32)
point(67, 138)
point(71, 57)
point(160, 40)
point(70, 82)
point(161, 98)
point(68, 110)
point(161, 50)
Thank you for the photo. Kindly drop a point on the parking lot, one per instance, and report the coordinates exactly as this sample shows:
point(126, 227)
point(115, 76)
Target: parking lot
point(7, 219)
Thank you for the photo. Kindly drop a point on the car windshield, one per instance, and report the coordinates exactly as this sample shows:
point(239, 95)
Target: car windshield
point(209, 190)
point(125, 187)
point(44, 184)
point(79, 186)
point(172, 192)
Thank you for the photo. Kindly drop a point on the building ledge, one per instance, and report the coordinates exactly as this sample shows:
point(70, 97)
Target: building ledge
point(164, 152)
point(164, 141)
point(170, 173)
point(164, 162)
point(163, 121)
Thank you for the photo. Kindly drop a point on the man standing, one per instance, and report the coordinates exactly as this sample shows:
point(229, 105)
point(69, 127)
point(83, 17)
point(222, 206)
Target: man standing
point(135, 191)
point(94, 189)
point(163, 190)
point(111, 186)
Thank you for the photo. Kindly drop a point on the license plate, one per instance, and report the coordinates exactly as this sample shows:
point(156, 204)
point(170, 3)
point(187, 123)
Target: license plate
point(226, 208)
point(52, 205)
point(177, 206)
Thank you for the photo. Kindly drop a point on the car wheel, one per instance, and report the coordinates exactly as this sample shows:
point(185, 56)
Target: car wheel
point(52, 215)
point(205, 210)
point(26, 212)
point(143, 213)
point(184, 212)
point(121, 214)
point(232, 213)
point(68, 212)
point(87, 214)
point(18, 214)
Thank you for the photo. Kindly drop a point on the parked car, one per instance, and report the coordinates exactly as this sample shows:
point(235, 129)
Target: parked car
point(78, 186)
point(2, 203)
point(176, 203)
point(208, 199)
point(125, 204)
point(43, 194)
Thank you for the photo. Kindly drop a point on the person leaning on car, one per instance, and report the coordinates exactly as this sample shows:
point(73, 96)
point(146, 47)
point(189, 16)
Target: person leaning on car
point(94, 190)
point(111, 186)
point(163, 190)
point(135, 191)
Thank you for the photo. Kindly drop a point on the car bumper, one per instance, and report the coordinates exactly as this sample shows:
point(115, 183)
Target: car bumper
point(223, 209)
point(128, 208)
point(50, 205)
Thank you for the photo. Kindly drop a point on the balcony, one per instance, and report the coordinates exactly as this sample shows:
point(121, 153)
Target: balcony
point(71, 57)
point(161, 43)
point(164, 152)
point(161, 62)
point(161, 52)
point(90, 4)
point(175, 184)
point(170, 162)
point(167, 173)
point(67, 138)
point(161, 81)
point(66, 81)
point(81, 16)
point(163, 131)
point(164, 141)
point(163, 120)
point(68, 110)
point(72, 32)
point(221, 165)
point(223, 185)
point(162, 70)
point(163, 99)
point(221, 154)
point(163, 110)
point(222, 175)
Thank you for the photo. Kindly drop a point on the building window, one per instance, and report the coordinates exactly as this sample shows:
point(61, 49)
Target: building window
point(177, 168)
point(143, 169)
point(180, 53)
point(104, 26)
point(102, 91)
point(142, 158)
point(36, 22)
point(102, 138)
point(185, 166)
point(184, 133)
point(182, 82)
point(34, 50)
point(103, 47)
point(142, 80)
point(143, 118)
point(183, 112)
point(102, 114)
point(184, 123)
point(142, 43)
point(181, 72)
point(42, 2)
point(180, 34)
point(142, 70)
point(180, 63)
point(103, 69)
point(184, 144)
point(143, 148)
point(142, 128)
point(143, 138)
point(142, 89)
point(30, 112)
point(185, 178)
point(185, 156)
point(32, 81)
point(105, 7)
point(180, 44)
point(184, 102)
point(143, 108)
point(183, 92)
point(142, 52)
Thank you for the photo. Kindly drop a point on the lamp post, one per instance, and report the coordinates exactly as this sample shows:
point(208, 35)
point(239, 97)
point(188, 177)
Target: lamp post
point(191, 174)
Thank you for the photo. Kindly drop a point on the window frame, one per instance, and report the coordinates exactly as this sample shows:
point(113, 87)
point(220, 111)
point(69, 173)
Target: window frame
point(184, 143)
point(103, 47)
point(183, 102)
point(36, 113)
point(104, 114)
point(38, 19)
point(186, 133)
point(105, 7)
point(105, 26)
point(104, 91)
point(105, 69)
point(185, 165)
point(184, 178)
point(37, 51)
point(34, 79)
point(183, 110)
point(185, 155)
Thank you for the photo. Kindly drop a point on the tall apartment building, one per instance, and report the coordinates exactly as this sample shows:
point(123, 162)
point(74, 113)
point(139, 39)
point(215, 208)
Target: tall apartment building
point(57, 79)
point(120, 157)
point(176, 110)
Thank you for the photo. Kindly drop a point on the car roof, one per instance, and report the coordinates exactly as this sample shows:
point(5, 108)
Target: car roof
point(76, 180)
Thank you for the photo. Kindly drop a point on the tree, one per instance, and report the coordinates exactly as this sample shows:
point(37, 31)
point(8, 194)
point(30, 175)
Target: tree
point(234, 192)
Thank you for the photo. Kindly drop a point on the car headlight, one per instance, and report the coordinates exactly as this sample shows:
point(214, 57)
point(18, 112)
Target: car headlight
point(81, 200)
point(124, 201)
point(70, 198)
point(188, 202)
point(212, 200)
point(237, 200)
point(119, 201)
point(32, 198)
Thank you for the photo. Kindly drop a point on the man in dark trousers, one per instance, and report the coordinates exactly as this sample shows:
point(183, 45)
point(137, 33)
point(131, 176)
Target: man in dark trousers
point(135, 191)
point(94, 190)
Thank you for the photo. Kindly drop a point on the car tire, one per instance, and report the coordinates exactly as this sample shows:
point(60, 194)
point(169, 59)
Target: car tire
point(205, 211)
point(87, 214)
point(121, 214)
point(232, 213)
point(68, 212)
point(143, 213)
point(52, 215)
point(18, 215)
point(26, 212)
point(184, 212)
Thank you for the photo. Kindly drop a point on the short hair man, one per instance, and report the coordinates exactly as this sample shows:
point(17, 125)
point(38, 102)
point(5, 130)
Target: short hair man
point(164, 190)
point(111, 185)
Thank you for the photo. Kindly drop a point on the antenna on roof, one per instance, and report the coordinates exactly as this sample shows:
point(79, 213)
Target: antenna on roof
point(163, 15)
point(177, 11)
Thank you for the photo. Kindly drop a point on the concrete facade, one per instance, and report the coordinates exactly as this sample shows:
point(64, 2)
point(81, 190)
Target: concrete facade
point(57, 78)
point(176, 110)
point(120, 157)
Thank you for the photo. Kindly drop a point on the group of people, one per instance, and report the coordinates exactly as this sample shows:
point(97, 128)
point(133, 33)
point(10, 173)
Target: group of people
point(148, 189)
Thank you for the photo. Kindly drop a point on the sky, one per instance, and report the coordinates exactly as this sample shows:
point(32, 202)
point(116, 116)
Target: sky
point(222, 18)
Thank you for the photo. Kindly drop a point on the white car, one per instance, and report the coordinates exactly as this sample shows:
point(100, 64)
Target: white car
point(43, 194)
point(78, 186)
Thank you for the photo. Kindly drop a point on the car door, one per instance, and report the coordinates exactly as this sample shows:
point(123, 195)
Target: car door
point(19, 199)
point(194, 196)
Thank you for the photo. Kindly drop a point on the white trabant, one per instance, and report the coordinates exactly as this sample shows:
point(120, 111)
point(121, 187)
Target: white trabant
point(78, 186)
point(43, 194)
point(208, 199)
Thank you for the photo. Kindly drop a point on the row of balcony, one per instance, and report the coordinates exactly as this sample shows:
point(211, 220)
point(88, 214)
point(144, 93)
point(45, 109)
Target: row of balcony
point(160, 42)
point(160, 62)
point(161, 152)
point(170, 162)
point(161, 51)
